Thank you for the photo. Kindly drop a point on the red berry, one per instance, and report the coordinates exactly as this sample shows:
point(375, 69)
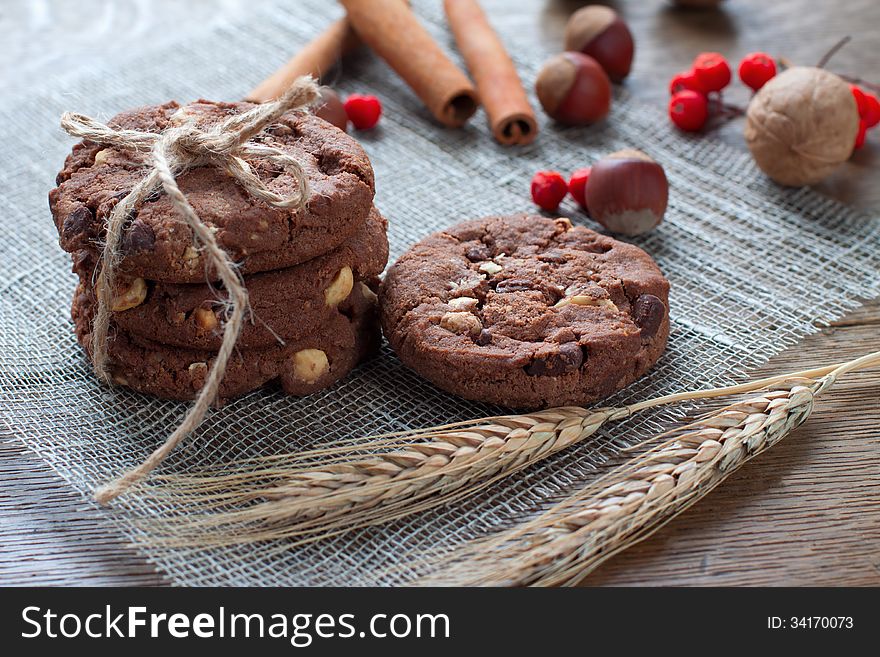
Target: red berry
point(872, 111)
point(577, 186)
point(712, 71)
point(684, 80)
point(756, 69)
point(363, 111)
point(860, 135)
point(548, 189)
point(861, 100)
point(689, 110)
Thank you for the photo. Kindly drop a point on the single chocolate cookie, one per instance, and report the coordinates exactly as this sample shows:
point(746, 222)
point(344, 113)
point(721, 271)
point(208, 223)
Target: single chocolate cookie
point(304, 366)
point(526, 312)
point(158, 245)
point(286, 305)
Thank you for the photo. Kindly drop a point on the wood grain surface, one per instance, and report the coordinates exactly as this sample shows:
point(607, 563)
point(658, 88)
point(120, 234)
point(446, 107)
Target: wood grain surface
point(805, 513)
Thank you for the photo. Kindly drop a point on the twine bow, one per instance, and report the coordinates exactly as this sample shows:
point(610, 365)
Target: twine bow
point(172, 152)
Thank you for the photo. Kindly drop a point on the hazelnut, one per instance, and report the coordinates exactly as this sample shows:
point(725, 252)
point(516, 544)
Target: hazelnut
point(463, 323)
point(330, 108)
point(574, 89)
point(340, 287)
point(128, 294)
point(599, 32)
point(627, 192)
point(205, 318)
point(102, 156)
point(802, 125)
point(309, 365)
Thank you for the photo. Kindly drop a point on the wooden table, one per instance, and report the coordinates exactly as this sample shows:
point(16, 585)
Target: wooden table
point(806, 513)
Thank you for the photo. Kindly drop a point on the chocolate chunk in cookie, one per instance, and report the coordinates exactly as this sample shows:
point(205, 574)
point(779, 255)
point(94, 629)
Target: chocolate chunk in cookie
point(139, 238)
point(648, 314)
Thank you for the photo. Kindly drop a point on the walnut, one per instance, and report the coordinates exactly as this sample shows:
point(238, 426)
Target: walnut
point(340, 287)
point(463, 323)
point(802, 125)
point(309, 365)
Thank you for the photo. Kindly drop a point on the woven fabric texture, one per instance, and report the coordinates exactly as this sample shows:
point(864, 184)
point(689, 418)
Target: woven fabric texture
point(753, 268)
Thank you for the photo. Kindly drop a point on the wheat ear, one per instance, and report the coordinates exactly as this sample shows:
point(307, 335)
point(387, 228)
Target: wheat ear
point(570, 540)
point(317, 493)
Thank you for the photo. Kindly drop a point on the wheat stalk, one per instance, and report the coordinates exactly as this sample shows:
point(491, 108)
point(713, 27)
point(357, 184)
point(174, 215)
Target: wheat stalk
point(317, 493)
point(570, 540)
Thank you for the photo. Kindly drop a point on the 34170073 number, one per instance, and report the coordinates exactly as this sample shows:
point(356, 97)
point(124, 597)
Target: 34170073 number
point(810, 623)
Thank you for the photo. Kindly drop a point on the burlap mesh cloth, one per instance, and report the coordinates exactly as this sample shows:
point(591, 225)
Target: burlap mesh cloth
point(753, 268)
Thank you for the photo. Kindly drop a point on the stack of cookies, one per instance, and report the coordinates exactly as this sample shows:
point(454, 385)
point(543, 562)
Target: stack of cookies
point(311, 274)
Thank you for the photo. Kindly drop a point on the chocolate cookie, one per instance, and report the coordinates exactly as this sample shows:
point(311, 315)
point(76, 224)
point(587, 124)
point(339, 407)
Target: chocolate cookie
point(286, 305)
point(301, 367)
point(526, 312)
point(159, 246)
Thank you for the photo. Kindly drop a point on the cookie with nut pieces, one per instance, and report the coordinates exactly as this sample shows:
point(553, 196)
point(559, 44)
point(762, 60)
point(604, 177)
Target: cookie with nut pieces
point(285, 305)
point(526, 312)
point(301, 367)
point(158, 246)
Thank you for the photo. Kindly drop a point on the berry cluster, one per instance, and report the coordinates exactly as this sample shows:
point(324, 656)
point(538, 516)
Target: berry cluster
point(549, 188)
point(869, 112)
point(696, 94)
point(694, 91)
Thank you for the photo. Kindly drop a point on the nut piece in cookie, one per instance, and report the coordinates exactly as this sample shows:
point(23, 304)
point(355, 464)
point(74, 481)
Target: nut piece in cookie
point(129, 294)
point(205, 319)
point(309, 365)
point(340, 287)
point(461, 322)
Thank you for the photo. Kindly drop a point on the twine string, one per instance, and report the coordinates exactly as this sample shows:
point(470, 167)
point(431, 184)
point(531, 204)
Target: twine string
point(172, 152)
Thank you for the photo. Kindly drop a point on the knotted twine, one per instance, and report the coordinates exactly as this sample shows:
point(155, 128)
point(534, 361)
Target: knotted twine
point(172, 152)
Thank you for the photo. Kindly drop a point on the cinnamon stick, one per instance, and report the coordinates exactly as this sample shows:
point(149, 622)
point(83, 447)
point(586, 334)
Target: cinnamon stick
point(511, 117)
point(391, 29)
point(315, 59)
